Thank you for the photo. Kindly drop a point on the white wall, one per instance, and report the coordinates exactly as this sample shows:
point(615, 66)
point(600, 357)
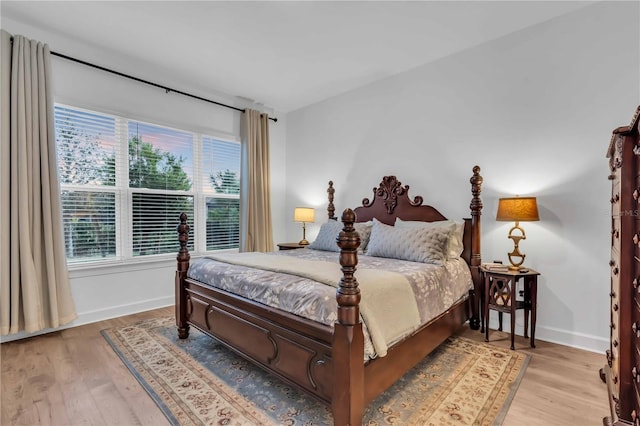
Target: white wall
point(107, 292)
point(535, 110)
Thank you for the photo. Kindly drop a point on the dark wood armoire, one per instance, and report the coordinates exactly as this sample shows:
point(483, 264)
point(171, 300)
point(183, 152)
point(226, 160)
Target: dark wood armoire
point(622, 372)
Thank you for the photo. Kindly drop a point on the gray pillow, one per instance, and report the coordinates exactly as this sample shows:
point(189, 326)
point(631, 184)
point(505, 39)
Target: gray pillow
point(455, 245)
point(364, 230)
point(326, 239)
point(426, 245)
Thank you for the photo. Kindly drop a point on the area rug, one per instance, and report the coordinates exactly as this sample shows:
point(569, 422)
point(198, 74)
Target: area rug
point(197, 381)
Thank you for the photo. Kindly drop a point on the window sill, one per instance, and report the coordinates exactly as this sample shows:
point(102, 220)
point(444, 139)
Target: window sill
point(81, 270)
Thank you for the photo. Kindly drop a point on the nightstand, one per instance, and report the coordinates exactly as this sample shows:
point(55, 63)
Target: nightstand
point(290, 246)
point(501, 294)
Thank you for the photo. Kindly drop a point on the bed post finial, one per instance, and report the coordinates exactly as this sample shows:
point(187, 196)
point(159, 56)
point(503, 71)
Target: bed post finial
point(476, 210)
point(331, 208)
point(347, 400)
point(476, 187)
point(183, 239)
point(348, 294)
point(181, 273)
point(475, 259)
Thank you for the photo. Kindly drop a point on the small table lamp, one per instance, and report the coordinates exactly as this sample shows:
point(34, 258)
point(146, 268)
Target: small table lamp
point(304, 215)
point(517, 209)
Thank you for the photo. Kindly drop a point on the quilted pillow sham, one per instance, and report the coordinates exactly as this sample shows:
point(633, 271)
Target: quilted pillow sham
point(416, 244)
point(455, 245)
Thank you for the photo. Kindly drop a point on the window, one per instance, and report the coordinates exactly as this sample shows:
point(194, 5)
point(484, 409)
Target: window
point(87, 146)
point(222, 168)
point(124, 184)
point(160, 183)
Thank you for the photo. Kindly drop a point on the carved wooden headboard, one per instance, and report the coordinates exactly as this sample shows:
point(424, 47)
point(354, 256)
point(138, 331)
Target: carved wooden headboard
point(391, 200)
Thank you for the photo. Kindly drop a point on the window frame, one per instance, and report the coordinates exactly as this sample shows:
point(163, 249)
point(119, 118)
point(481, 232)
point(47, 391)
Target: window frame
point(124, 194)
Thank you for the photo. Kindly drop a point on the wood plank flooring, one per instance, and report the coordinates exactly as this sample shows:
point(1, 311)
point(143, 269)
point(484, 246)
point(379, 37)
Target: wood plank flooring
point(561, 385)
point(73, 377)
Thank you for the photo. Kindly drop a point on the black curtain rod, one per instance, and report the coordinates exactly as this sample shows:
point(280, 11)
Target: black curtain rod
point(167, 89)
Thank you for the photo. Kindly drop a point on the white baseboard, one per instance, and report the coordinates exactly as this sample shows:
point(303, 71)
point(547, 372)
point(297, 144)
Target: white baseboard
point(562, 337)
point(549, 334)
point(100, 315)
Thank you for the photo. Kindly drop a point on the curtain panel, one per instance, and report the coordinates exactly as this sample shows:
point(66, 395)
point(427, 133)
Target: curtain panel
point(256, 232)
point(34, 284)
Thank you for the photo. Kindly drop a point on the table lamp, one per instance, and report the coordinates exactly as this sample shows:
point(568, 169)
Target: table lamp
point(304, 215)
point(517, 209)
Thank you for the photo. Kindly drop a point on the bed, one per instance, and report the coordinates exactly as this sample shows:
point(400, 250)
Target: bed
point(331, 360)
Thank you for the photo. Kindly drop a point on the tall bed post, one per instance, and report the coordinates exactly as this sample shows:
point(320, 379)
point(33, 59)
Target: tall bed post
point(182, 258)
point(475, 261)
point(347, 400)
point(330, 207)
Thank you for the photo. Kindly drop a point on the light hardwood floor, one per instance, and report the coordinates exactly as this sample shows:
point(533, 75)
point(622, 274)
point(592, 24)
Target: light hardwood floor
point(561, 385)
point(73, 377)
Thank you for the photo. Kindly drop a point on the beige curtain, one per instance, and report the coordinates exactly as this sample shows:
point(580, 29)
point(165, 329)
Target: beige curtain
point(255, 222)
point(34, 283)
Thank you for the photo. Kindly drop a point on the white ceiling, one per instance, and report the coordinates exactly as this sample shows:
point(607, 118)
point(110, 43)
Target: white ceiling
point(285, 55)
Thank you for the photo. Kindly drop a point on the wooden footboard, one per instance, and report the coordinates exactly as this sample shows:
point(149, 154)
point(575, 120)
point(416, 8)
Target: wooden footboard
point(296, 350)
point(326, 362)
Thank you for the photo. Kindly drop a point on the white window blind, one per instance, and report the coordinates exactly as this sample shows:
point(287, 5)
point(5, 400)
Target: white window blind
point(89, 219)
point(124, 184)
point(155, 217)
point(161, 160)
point(221, 181)
point(87, 148)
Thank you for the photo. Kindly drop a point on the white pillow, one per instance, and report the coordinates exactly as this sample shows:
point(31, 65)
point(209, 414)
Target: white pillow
point(455, 246)
point(326, 239)
point(417, 244)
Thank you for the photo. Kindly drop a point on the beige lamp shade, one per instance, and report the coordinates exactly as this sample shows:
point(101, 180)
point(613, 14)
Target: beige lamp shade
point(517, 209)
point(304, 214)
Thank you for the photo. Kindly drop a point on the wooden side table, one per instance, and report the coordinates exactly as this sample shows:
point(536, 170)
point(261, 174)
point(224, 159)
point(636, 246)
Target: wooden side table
point(290, 246)
point(501, 294)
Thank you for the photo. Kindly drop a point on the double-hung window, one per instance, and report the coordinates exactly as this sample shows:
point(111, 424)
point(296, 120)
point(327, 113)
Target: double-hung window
point(124, 184)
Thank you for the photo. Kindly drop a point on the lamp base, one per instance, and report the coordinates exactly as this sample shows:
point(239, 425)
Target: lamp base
point(515, 254)
point(303, 241)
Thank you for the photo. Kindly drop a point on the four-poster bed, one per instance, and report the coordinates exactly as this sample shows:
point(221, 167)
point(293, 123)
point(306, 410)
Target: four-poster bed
point(328, 360)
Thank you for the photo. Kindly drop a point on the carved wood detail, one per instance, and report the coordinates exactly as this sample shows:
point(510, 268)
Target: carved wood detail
point(389, 190)
point(348, 294)
point(331, 209)
point(182, 303)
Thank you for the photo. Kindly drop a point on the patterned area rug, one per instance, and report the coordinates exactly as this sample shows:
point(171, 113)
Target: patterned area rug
point(197, 381)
